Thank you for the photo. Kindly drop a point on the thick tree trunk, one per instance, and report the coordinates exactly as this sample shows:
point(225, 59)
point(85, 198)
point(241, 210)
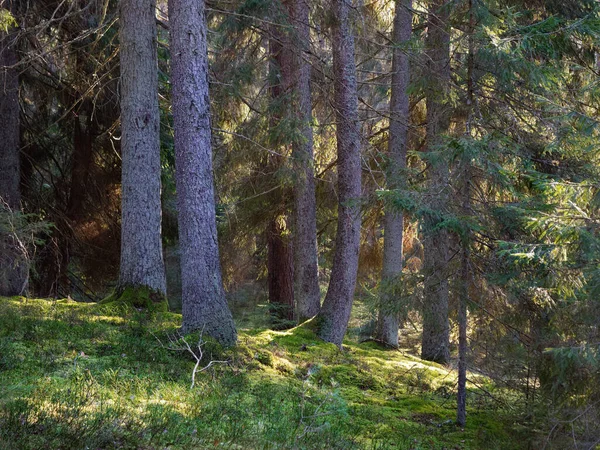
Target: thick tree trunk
point(435, 341)
point(335, 313)
point(393, 221)
point(280, 266)
point(141, 247)
point(14, 267)
point(203, 299)
point(306, 272)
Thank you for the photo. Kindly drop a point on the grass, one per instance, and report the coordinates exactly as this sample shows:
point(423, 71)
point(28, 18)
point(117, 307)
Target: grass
point(77, 376)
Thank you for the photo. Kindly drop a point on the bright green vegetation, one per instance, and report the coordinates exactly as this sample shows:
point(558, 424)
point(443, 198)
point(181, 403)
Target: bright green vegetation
point(76, 375)
point(139, 297)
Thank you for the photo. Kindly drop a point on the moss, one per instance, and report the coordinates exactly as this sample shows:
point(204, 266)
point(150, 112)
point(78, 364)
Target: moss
point(265, 358)
point(138, 297)
point(79, 375)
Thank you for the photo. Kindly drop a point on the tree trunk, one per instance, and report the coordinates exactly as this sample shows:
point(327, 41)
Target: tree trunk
point(463, 345)
point(393, 221)
point(306, 272)
point(203, 298)
point(435, 341)
point(14, 270)
point(141, 247)
point(461, 398)
point(335, 313)
point(280, 266)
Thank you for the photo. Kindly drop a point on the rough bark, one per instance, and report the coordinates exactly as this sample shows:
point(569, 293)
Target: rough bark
point(203, 298)
point(141, 247)
point(306, 273)
point(280, 266)
point(435, 341)
point(280, 260)
point(333, 318)
point(14, 269)
point(393, 221)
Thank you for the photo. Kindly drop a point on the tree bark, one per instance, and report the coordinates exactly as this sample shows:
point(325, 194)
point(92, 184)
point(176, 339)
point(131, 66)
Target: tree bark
point(306, 272)
point(393, 221)
point(9, 118)
point(335, 312)
point(280, 266)
point(141, 247)
point(435, 340)
point(14, 270)
point(280, 258)
point(203, 298)
point(463, 345)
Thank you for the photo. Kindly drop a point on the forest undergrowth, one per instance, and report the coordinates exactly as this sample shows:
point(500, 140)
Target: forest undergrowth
point(75, 376)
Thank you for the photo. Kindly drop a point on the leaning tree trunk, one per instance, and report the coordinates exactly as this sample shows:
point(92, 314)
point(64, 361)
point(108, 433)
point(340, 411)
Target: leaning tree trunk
point(142, 264)
point(306, 273)
point(14, 268)
point(335, 313)
point(204, 306)
point(393, 221)
point(435, 340)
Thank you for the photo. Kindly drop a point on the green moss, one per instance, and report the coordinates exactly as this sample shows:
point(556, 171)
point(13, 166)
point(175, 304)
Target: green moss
point(139, 297)
point(74, 375)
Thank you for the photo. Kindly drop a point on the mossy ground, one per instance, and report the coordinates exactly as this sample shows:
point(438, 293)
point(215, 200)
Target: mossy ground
point(76, 375)
point(139, 297)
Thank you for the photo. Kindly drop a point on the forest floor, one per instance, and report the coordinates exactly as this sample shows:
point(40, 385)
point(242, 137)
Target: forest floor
point(88, 376)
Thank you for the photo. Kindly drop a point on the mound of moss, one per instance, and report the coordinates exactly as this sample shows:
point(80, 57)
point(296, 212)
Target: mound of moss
point(139, 297)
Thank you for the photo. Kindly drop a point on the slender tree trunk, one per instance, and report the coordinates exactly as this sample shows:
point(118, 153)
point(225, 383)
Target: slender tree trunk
point(83, 138)
point(306, 272)
point(141, 247)
point(435, 342)
point(14, 269)
point(280, 264)
point(461, 398)
point(335, 313)
point(203, 298)
point(9, 118)
point(463, 345)
point(393, 221)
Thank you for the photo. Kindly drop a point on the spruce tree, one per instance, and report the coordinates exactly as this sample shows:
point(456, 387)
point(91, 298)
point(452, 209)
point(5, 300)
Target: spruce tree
point(142, 269)
point(204, 307)
point(393, 222)
point(335, 313)
point(14, 272)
